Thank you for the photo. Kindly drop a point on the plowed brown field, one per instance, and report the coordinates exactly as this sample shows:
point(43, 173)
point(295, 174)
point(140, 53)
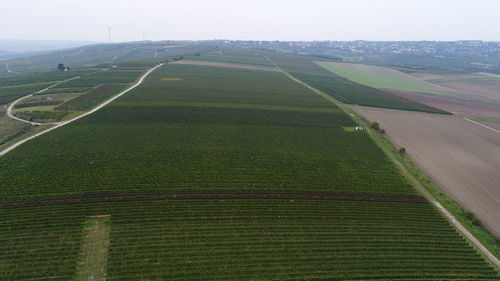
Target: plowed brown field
point(462, 107)
point(460, 156)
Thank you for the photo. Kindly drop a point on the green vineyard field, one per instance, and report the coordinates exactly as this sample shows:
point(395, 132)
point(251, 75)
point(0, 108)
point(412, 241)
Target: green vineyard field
point(210, 173)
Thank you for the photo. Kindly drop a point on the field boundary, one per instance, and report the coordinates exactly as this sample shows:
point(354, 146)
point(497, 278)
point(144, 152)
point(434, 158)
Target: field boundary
point(449, 216)
point(400, 84)
point(227, 65)
point(482, 125)
point(137, 83)
point(211, 195)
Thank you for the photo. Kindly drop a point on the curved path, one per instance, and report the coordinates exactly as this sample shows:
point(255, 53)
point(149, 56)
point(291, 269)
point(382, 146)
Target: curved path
point(60, 124)
point(11, 106)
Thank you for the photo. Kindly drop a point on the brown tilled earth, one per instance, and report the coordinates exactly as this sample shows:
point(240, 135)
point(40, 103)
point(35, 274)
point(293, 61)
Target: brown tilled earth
point(494, 125)
point(472, 86)
point(460, 156)
point(456, 106)
point(484, 90)
point(472, 98)
point(230, 65)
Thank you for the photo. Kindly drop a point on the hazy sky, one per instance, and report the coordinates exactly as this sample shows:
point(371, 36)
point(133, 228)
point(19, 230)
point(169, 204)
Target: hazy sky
point(250, 19)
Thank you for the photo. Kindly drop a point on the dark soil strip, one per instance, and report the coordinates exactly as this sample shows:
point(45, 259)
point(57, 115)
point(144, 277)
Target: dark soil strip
point(207, 195)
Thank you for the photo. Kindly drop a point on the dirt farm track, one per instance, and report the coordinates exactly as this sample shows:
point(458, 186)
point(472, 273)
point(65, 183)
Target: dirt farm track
point(460, 156)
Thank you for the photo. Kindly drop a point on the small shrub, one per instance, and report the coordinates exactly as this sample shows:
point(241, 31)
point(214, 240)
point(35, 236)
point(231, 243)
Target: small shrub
point(375, 126)
point(468, 214)
point(402, 151)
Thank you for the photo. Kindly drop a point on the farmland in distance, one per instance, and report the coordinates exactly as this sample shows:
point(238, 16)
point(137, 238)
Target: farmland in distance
point(210, 173)
point(384, 78)
point(230, 132)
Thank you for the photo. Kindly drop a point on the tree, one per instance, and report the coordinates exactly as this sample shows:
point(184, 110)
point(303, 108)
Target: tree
point(476, 221)
point(61, 67)
point(375, 126)
point(470, 215)
point(402, 150)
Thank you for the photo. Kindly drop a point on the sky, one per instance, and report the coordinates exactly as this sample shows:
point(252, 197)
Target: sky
point(133, 20)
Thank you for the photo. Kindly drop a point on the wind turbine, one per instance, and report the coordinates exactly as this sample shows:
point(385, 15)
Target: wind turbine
point(109, 34)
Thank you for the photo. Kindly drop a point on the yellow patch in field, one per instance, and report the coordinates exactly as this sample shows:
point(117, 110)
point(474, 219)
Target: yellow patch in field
point(171, 79)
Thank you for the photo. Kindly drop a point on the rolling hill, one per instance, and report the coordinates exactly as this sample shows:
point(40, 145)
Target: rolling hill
point(214, 172)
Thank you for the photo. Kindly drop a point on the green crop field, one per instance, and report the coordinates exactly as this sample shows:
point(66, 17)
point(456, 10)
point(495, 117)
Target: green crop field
point(209, 173)
point(11, 93)
point(242, 240)
point(115, 75)
point(65, 90)
point(347, 92)
point(342, 89)
point(97, 55)
point(381, 77)
point(42, 115)
point(38, 109)
point(262, 148)
point(93, 97)
point(41, 77)
point(10, 129)
point(248, 59)
point(97, 87)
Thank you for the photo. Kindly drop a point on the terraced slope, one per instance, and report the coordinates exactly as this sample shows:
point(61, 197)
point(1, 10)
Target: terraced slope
point(211, 173)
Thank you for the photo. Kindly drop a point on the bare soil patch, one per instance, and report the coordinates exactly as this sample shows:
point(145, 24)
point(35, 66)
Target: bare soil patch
point(494, 125)
point(230, 65)
point(462, 107)
point(171, 79)
point(436, 76)
point(483, 90)
point(460, 156)
point(95, 246)
point(489, 74)
point(475, 86)
point(49, 99)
